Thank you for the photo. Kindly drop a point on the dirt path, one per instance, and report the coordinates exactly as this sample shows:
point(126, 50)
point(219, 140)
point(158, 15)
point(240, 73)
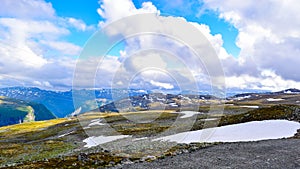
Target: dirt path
point(263, 154)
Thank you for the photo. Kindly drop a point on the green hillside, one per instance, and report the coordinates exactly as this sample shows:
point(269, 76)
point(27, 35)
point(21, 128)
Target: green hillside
point(14, 111)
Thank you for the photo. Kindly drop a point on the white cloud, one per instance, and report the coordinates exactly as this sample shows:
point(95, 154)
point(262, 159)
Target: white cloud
point(26, 28)
point(20, 55)
point(65, 48)
point(26, 9)
point(45, 84)
point(266, 81)
point(79, 24)
point(33, 48)
point(117, 9)
point(95, 72)
point(215, 40)
point(17, 47)
point(145, 60)
point(162, 85)
point(178, 59)
point(243, 72)
point(269, 38)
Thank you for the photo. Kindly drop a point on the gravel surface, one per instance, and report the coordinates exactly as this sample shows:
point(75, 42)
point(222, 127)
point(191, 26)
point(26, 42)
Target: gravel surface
point(264, 154)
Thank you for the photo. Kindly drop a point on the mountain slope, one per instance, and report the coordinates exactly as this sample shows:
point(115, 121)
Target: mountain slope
point(13, 111)
point(61, 103)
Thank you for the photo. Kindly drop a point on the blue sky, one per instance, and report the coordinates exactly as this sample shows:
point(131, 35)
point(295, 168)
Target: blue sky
point(86, 11)
point(257, 43)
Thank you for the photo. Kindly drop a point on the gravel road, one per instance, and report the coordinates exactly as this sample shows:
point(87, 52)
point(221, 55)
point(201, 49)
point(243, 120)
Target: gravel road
point(264, 154)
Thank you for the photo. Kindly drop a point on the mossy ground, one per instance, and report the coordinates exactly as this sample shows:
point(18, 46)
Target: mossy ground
point(33, 141)
point(289, 112)
point(38, 145)
point(88, 161)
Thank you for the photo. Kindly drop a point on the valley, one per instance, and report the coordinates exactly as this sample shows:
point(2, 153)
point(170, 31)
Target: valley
point(13, 111)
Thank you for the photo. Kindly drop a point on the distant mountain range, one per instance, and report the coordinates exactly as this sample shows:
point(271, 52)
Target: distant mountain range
point(13, 111)
point(287, 91)
point(61, 103)
point(156, 101)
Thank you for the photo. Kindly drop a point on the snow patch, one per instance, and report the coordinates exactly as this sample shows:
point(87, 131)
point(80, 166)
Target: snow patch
point(173, 105)
point(187, 114)
point(138, 139)
point(95, 141)
point(161, 99)
point(63, 135)
point(96, 122)
point(252, 107)
point(210, 119)
point(76, 112)
point(142, 91)
point(242, 98)
point(274, 100)
point(250, 131)
point(290, 92)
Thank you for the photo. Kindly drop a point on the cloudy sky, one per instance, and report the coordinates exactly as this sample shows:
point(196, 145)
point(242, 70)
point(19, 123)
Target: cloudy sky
point(256, 42)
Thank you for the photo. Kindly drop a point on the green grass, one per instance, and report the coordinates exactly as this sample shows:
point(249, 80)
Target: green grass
point(13, 130)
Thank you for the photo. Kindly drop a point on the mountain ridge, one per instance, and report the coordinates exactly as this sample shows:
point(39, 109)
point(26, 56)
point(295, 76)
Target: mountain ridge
point(61, 103)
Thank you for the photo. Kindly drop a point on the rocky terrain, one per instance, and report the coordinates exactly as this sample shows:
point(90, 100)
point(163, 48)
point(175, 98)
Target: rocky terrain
point(262, 154)
point(131, 138)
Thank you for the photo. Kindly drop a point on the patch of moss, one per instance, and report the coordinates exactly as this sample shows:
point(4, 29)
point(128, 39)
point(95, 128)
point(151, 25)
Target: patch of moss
point(94, 160)
point(20, 152)
point(267, 113)
point(159, 122)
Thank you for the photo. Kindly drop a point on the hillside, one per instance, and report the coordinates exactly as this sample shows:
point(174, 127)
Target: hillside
point(13, 111)
point(60, 103)
point(147, 131)
point(107, 139)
